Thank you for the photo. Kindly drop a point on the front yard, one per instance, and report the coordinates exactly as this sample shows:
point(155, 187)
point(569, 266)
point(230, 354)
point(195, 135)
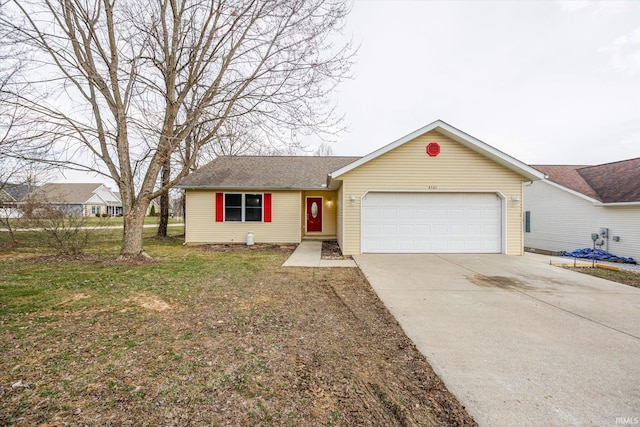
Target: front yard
point(203, 337)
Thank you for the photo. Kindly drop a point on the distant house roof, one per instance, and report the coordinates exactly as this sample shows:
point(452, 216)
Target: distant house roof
point(617, 182)
point(266, 172)
point(72, 194)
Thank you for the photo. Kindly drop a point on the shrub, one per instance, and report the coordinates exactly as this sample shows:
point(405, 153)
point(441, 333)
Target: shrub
point(68, 234)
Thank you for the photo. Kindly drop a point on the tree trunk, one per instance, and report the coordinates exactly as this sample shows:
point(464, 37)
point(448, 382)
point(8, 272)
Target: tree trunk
point(164, 200)
point(132, 235)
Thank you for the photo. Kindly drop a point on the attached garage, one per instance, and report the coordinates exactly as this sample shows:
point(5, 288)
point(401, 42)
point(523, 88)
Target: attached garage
point(415, 222)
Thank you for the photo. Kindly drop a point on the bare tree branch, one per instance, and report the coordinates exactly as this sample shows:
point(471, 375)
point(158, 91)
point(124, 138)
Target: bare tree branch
point(122, 87)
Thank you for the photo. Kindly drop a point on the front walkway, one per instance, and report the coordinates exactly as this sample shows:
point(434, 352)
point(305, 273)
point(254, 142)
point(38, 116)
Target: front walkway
point(309, 254)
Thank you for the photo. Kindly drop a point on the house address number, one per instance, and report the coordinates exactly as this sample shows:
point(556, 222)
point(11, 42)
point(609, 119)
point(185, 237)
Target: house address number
point(432, 187)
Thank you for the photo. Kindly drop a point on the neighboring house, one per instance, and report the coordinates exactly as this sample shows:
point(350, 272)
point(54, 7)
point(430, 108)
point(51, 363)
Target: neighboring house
point(10, 197)
point(80, 199)
point(436, 190)
point(574, 202)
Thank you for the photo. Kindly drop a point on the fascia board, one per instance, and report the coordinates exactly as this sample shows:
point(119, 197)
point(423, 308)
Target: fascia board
point(491, 152)
point(244, 189)
point(620, 204)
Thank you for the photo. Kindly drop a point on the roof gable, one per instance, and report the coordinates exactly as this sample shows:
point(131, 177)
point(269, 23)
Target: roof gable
point(458, 136)
point(14, 192)
point(265, 172)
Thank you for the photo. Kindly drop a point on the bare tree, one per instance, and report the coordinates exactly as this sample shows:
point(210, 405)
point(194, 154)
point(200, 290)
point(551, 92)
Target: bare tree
point(120, 85)
point(324, 149)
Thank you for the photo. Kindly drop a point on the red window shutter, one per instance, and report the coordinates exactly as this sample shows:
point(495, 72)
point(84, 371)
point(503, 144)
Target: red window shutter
point(219, 207)
point(267, 207)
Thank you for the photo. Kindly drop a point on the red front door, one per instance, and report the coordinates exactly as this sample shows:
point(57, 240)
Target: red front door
point(314, 214)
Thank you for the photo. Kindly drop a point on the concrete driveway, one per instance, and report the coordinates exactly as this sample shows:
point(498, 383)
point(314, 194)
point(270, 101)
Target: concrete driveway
point(518, 341)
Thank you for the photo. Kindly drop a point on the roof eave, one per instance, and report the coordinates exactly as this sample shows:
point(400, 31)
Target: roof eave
point(573, 192)
point(242, 188)
point(619, 204)
point(459, 136)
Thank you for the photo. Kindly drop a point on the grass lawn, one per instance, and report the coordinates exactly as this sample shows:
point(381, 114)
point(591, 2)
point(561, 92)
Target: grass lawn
point(203, 337)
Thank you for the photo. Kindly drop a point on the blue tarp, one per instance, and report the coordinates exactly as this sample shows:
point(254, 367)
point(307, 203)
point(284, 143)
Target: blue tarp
point(598, 254)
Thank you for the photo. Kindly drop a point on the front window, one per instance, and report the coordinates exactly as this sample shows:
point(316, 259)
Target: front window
point(242, 207)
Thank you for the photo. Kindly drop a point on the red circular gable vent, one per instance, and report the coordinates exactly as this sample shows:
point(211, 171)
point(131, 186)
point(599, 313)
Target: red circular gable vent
point(433, 149)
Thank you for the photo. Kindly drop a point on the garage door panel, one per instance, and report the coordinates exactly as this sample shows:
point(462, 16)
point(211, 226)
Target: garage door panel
point(439, 213)
point(390, 213)
point(421, 214)
point(422, 229)
point(473, 213)
point(431, 222)
point(439, 245)
point(456, 213)
point(406, 229)
point(457, 230)
point(405, 214)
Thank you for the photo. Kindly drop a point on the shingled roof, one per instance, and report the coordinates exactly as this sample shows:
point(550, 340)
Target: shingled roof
point(265, 172)
point(617, 182)
point(67, 193)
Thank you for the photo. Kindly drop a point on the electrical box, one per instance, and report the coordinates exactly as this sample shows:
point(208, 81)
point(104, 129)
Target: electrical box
point(594, 236)
point(604, 232)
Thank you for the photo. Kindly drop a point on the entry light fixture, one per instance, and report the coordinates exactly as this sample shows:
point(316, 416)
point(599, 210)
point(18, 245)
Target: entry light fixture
point(516, 200)
point(352, 198)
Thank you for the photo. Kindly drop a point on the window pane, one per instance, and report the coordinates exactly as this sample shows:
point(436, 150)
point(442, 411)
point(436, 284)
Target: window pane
point(253, 207)
point(233, 200)
point(233, 207)
point(253, 200)
point(232, 214)
point(253, 214)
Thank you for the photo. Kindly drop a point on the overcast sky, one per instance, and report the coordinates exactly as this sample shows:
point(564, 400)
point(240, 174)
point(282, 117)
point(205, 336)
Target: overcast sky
point(546, 82)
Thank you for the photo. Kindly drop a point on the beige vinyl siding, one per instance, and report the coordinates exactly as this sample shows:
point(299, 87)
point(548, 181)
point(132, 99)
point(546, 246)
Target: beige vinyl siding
point(328, 213)
point(408, 168)
point(201, 225)
point(561, 221)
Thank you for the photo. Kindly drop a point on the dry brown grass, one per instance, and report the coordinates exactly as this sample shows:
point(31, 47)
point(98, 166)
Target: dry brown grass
point(626, 277)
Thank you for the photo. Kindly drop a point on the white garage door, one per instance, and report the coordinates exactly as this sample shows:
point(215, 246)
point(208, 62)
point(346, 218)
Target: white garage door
point(431, 223)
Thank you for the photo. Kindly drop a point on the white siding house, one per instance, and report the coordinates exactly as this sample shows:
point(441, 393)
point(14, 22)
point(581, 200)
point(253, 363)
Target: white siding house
point(574, 202)
point(90, 199)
